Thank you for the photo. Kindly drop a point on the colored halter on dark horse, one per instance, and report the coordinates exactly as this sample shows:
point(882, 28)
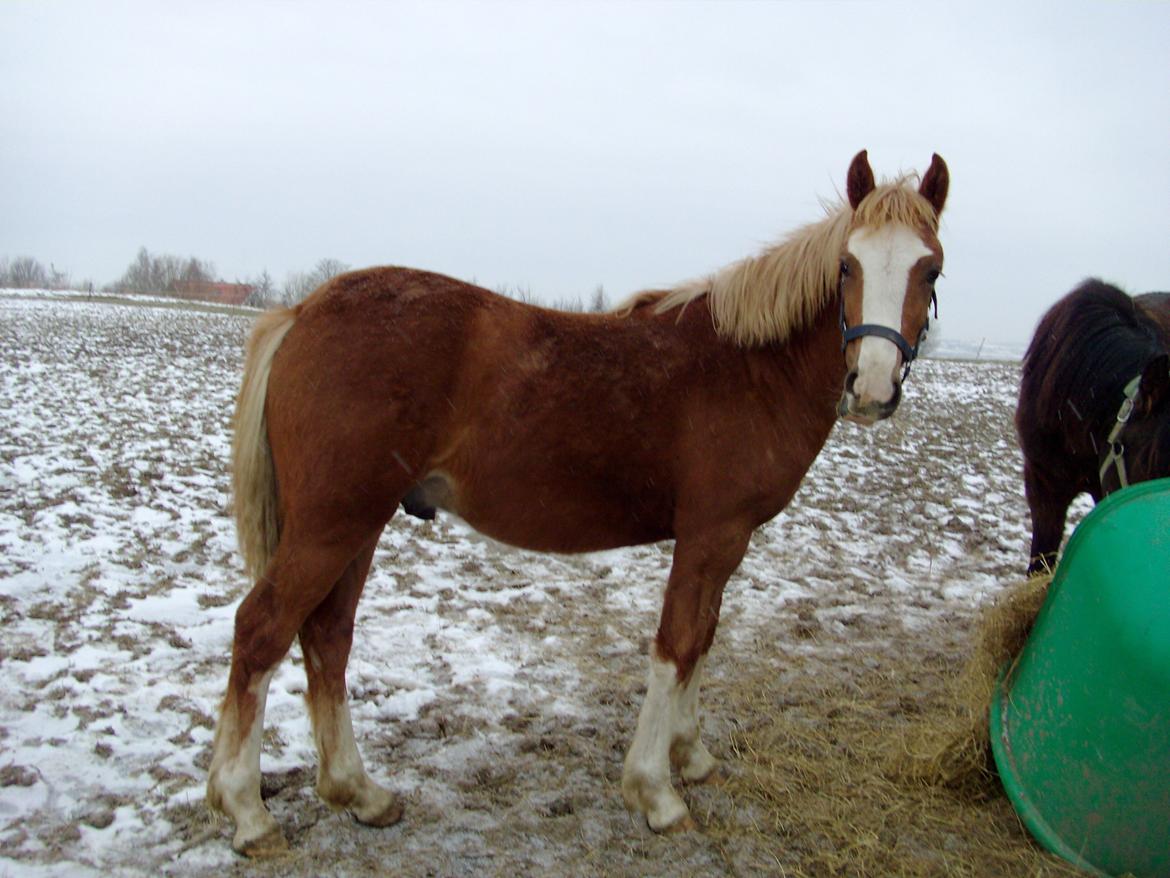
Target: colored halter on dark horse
point(1113, 460)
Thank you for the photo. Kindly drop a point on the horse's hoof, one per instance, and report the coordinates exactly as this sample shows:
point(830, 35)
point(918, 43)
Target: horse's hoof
point(716, 777)
point(685, 824)
point(664, 810)
point(387, 815)
point(271, 844)
point(670, 817)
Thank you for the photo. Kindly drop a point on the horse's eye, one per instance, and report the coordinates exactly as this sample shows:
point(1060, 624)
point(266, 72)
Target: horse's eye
point(844, 268)
point(933, 275)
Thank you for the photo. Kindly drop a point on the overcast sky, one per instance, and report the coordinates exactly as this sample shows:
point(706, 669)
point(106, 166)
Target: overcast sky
point(555, 147)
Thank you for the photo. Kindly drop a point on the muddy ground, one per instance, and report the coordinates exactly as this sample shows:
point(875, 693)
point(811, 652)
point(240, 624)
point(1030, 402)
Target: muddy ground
point(496, 690)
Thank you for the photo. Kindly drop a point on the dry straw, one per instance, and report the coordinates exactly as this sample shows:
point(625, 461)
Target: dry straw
point(882, 773)
point(953, 748)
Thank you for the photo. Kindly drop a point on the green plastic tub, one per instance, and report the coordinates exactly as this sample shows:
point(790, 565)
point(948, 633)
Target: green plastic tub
point(1080, 722)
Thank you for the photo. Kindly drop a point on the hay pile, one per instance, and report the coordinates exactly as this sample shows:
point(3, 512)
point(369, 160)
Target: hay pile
point(884, 772)
point(953, 749)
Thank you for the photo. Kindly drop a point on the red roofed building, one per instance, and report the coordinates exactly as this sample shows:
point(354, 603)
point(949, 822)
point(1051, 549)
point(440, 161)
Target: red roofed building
point(211, 291)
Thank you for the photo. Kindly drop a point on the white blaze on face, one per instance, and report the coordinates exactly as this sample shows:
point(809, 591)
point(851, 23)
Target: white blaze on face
point(886, 255)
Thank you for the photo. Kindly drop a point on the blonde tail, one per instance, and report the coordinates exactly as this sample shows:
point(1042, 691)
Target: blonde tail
point(253, 476)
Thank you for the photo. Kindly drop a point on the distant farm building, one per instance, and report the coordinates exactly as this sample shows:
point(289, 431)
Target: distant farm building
point(208, 291)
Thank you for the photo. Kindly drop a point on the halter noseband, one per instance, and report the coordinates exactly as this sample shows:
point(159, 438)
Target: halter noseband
point(909, 352)
point(1115, 452)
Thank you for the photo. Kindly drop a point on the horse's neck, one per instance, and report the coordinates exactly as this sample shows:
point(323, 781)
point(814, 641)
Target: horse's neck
point(808, 366)
point(795, 384)
point(789, 412)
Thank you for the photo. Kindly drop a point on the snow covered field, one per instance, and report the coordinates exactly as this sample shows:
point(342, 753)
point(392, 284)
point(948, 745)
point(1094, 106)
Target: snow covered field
point(495, 689)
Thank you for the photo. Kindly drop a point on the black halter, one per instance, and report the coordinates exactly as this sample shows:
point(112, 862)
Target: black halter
point(909, 352)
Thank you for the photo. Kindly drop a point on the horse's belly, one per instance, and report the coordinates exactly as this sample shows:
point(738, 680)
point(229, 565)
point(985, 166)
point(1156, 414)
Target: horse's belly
point(544, 516)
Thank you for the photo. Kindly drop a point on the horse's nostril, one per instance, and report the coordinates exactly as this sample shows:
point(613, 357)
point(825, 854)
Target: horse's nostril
point(849, 380)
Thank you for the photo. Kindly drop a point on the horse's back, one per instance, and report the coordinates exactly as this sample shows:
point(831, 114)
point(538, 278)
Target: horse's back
point(1156, 306)
point(566, 418)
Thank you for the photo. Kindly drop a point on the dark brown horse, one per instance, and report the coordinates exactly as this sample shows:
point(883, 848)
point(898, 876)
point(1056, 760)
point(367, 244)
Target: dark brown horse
point(691, 415)
point(1094, 409)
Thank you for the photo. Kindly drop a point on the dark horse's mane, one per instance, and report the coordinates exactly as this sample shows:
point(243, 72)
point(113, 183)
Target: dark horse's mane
point(1085, 350)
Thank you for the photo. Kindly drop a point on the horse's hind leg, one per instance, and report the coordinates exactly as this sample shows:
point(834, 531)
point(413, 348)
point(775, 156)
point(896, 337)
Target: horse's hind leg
point(297, 579)
point(326, 638)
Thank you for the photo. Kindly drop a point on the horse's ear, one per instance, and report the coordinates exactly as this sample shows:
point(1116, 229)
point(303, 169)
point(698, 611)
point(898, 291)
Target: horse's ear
point(1155, 389)
point(935, 184)
point(859, 183)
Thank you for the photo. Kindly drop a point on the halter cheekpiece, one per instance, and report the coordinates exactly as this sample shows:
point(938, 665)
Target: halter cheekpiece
point(909, 352)
point(1115, 448)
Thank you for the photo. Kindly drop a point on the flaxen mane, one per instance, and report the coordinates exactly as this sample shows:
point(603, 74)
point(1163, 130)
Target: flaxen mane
point(766, 298)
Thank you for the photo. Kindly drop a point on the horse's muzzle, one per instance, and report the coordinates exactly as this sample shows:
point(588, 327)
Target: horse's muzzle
point(851, 408)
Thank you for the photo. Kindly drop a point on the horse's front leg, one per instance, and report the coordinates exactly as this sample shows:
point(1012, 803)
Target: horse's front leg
point(690, 758)
point(1048, 502)
point(668, 726)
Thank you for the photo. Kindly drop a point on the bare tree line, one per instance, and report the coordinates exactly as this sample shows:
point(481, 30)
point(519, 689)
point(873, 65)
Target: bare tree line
point(26, 273)
point(158, 274)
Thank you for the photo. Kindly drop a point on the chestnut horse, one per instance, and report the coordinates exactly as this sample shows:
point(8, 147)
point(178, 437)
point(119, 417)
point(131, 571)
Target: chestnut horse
point(1094, 409)
point(690, 415)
